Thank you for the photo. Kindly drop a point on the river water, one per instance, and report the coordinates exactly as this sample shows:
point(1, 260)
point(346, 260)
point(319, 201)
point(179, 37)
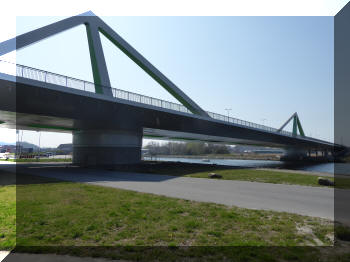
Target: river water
point(341, 168)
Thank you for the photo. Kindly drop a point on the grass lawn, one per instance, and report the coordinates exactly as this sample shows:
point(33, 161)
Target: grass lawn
point(342, 182)
point(55, 215)
point(79, 214)
point(7, 217)
point(264, 176)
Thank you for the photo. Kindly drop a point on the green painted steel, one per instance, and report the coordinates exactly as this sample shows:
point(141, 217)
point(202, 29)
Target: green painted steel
point(301, 131)
point(95, 26)
point(295, 128)
point(93, 58)
point(296, 125)
point(150, 73)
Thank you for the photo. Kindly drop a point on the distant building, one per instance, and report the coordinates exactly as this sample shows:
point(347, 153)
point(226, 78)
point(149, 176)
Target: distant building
point(65, 148)
point(256, 150)
point(27, 150)
point(268, 151)
point(8, 149)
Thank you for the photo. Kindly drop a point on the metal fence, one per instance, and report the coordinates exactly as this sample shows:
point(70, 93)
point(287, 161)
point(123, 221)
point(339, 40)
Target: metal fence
point(248, 124)
point(52, 78)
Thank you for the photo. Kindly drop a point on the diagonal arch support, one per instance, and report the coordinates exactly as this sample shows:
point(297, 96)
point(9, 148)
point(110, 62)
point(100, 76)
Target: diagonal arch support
point(98, 63)
point(296, 125)
point(152, 71)
point(94, 25)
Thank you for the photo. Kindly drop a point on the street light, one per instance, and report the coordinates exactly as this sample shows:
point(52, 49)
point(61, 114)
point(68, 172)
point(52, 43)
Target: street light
point(228, 111)
point(39, 145)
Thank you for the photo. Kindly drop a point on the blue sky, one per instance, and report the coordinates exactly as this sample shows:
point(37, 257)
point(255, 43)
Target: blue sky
point(263, 68)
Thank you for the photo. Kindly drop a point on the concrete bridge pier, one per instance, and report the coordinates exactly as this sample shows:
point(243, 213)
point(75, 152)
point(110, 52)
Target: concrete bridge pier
point(319, 155)
point(106, 147)
point(294, 154)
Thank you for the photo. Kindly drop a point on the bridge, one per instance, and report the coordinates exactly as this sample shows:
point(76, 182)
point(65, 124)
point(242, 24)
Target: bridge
point(108, 124)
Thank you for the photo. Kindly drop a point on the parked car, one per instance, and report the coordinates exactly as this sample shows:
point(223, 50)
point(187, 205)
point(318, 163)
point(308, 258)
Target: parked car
point(5, 156)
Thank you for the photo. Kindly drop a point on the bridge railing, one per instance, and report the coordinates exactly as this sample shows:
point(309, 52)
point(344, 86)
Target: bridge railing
point(247, 123)
point(57, 79)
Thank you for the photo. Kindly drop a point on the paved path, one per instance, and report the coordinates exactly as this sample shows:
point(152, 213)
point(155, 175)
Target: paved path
point(311, 201)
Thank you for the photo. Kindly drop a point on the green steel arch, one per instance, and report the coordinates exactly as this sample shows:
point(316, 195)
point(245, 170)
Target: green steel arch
point(296, 125)
point(94, 26)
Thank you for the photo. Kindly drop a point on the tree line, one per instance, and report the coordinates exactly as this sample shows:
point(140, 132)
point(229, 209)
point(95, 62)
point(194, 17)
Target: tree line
point(186, 148)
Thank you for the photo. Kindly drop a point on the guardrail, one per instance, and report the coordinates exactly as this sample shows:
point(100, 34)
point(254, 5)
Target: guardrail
point(52, 78)
point(248, 124)
point(57, 79)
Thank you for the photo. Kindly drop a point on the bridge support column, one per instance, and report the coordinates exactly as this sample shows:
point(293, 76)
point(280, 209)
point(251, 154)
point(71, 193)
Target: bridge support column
point(106, 147)
point(294, 154)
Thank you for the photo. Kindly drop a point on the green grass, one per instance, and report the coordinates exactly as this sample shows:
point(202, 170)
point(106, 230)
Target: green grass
point(342, 182)
point(72, 214)
point(7, 217)
point(262, 176)
point(342, 232)
point(96, 221)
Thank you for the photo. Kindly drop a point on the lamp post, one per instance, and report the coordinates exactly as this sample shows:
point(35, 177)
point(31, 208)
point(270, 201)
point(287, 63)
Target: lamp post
point(228, 111)
point(17, 143)
point(39, 145)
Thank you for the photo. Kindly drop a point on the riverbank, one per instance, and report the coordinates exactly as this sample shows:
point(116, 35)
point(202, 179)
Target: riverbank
point(243, 156)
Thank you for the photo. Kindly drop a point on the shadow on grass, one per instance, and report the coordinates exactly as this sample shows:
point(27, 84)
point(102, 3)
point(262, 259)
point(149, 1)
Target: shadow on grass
point(172, 168)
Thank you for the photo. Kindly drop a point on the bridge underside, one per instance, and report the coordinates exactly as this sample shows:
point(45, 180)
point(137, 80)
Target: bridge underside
point(107, 147)
point(22, 121)
point(108, 130)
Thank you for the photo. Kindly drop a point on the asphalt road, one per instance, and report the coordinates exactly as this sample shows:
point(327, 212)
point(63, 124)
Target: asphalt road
point(311, 201)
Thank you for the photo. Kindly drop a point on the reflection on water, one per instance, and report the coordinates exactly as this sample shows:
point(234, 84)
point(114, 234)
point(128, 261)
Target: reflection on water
point(341, 168)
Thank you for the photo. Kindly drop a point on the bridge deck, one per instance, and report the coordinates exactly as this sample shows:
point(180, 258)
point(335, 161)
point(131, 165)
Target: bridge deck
point(275, 137)
point(57, 79)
